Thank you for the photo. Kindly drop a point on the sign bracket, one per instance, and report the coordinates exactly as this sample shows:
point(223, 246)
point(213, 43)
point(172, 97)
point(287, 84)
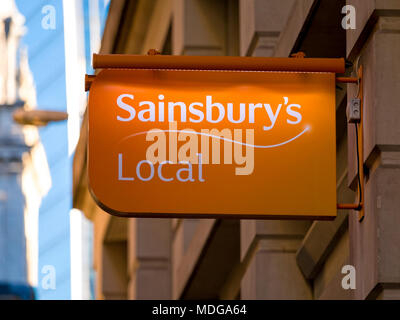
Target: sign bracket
point(359, 144)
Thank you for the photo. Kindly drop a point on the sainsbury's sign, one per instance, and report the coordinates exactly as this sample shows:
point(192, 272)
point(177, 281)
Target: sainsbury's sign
point(181, 143)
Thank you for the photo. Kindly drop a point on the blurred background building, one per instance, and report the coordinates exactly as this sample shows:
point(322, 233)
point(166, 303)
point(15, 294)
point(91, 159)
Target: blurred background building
point(45, 245)
point(251, 259)
point(24, 172)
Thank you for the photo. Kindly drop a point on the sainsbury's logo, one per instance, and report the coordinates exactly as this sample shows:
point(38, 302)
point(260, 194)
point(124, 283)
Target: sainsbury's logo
point(238, 143)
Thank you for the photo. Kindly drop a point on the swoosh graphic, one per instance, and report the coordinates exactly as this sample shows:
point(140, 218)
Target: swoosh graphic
point(221, 138)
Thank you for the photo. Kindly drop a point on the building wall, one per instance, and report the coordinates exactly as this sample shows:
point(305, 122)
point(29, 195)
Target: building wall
point(251, 259)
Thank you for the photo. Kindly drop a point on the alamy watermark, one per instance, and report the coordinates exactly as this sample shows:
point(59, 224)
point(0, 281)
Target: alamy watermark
point(349, 280)
point(349, 20)
point(49, 17)
point(48, 280)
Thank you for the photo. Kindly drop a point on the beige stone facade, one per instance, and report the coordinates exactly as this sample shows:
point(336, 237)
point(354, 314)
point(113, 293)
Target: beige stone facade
point(253, 259)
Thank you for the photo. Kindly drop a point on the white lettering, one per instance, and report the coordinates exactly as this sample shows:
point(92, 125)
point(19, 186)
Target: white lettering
point(242, 113)
point(209, 107)
point(215, 112)
point(126, 107)
point(160, 172)
point(151, 170)
point(151, 111)
point(271, 115)
point(196, 112)
point(293, 113)
point(120, 177)
point(171, 107)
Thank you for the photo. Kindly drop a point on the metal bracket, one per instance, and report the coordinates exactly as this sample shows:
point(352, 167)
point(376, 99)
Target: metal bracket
point(360, 205)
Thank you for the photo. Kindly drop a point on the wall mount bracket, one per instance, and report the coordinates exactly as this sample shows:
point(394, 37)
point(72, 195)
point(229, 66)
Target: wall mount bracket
point(360, 145)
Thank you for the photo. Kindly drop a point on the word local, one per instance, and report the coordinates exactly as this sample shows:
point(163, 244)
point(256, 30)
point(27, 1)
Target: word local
point(184, 174)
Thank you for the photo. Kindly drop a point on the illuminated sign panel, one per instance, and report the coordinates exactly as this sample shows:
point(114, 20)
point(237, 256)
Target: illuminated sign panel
point(183, 143)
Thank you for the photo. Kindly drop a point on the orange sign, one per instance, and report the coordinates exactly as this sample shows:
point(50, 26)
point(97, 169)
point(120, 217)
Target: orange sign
point(176, 143)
